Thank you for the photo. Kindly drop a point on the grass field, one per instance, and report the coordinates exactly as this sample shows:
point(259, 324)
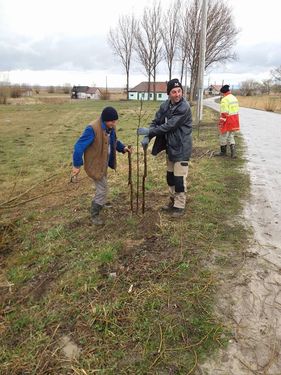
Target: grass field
point(270, 103)
point(133, 297)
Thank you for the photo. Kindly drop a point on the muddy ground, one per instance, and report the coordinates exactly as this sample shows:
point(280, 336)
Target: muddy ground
point(250, 297)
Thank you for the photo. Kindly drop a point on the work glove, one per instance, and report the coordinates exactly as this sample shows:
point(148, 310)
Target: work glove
point(143, 131)
point(145, 142)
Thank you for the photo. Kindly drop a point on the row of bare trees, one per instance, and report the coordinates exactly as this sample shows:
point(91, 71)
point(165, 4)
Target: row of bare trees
point(266, 86)
point(173, 36)
point(252, 87)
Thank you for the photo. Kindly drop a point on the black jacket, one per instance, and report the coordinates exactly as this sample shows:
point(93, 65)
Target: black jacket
point(172, 128)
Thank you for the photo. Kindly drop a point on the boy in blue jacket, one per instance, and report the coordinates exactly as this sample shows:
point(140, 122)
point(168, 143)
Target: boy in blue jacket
point(98, 144)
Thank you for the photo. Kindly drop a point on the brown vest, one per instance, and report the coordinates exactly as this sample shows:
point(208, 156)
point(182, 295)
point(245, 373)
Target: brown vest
point(96, 155)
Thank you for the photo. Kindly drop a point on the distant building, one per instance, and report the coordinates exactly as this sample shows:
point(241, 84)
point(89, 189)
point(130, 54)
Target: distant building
point(85, 92)
point(26, 91)
point(213, 90)
point(141, 91)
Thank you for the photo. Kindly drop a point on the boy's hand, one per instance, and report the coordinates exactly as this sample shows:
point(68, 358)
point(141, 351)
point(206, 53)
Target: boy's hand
point(74, 174)
point(128, 149)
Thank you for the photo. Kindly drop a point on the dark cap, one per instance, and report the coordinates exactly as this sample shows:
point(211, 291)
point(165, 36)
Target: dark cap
point(109, 114)
point(173, 84)
point(225, 89)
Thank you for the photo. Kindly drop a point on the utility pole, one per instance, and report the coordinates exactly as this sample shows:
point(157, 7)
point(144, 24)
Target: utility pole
point(199, 108)
point(185, 80)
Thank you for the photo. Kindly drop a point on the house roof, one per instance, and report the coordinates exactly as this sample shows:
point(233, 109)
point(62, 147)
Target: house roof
point(143, 87)
point(216, 87)
point(85, 89)
point(92, 90)
point(80, 88)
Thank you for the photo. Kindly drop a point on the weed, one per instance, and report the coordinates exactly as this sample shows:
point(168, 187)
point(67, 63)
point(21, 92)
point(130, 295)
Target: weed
point(107, 254)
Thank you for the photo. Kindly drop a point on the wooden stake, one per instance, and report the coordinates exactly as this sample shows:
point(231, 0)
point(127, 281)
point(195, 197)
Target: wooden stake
point(130, 181)
point(138, 159)
point(144, 177)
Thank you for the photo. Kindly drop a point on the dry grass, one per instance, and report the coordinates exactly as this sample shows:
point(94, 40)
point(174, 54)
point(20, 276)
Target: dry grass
point(47, 98)
point(270, 103)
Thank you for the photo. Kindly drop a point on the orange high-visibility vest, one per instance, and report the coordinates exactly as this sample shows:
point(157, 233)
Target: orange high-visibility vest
point(229, 117)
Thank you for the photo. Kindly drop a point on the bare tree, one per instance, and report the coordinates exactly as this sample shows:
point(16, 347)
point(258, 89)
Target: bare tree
point(148, 42)
point(221, 34)
point(184, 39)
point(250, 87)
point(276, 74)
point(266, 86)
point(190, 41)
point(221, 37)
point(170, 33)
point(121, 40)
point(66, 88)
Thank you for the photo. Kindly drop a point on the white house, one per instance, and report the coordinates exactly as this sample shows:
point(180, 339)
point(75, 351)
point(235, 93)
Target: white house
point(213, 90)
point(93, 93)
point(140, 92)
point(85, 92)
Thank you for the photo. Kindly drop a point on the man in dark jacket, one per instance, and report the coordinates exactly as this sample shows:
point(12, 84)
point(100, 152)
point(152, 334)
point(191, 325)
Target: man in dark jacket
point(172, 127)
point(98, 144)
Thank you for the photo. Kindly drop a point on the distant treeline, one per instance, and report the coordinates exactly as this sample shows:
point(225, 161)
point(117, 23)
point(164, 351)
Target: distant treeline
point(17, 91)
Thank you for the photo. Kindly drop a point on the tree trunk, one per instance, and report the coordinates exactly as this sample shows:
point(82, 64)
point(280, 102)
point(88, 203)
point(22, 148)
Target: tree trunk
point(127, 85)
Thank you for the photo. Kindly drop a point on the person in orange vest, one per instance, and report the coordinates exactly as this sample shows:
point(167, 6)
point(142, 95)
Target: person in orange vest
point(228, 122)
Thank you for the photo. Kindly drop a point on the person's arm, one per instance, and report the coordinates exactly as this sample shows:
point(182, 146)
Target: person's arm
point(81, 145)
point(172, 123)
point(156, 122)
point(224, 112)
point(159, 117)
point(120, 147)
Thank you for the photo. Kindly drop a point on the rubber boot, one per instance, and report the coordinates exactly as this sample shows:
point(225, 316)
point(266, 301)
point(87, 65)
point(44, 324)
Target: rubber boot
point(233, 151)
point(222, 151)
point(95, 212)
point(169, 206)
point(177, 212)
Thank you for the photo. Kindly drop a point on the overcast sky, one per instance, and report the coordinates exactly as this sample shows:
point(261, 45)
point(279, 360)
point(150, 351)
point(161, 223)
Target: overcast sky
point(52, 42)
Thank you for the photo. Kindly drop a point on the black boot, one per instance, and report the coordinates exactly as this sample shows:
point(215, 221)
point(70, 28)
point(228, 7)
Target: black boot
point(169, 206)
point(233, 151)
point(177, 212)
point(95, 211)
point(222, 152)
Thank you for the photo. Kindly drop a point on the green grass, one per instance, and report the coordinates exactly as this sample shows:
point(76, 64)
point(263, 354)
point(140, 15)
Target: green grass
point(137, 295)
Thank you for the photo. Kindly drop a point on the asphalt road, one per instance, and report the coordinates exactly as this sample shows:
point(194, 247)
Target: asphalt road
point(262, 135)
point(250, 299)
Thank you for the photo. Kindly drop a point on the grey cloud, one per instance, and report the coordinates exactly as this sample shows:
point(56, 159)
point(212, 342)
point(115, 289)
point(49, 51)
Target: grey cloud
point(257, 58)
point(79, 53)
point(94, 53)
